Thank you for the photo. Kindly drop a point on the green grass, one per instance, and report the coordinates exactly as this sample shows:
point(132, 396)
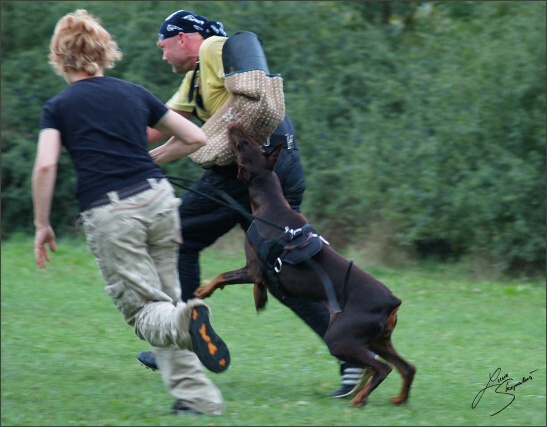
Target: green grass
point(68, 358)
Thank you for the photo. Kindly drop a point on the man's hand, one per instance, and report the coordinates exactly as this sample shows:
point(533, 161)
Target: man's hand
point(44, 235)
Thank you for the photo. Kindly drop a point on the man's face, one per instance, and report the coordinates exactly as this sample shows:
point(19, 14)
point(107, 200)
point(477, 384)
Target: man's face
point(177, 53)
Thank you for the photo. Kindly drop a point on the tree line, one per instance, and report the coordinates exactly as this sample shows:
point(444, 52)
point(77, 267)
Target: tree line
point(421, 125)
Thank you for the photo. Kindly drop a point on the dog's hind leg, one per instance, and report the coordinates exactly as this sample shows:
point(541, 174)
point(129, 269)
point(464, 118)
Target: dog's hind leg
point(386, 350)
point(378, 371)
point(384, 347)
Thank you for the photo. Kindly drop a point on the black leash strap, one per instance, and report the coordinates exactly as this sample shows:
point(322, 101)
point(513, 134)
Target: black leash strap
point(230, 202)
point(237, 206)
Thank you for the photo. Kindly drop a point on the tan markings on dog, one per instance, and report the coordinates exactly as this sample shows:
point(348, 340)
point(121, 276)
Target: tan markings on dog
point(392, 320)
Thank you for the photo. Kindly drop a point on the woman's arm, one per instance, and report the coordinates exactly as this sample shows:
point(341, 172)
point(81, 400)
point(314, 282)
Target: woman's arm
point(155, 136)
point(187, 138)
point(44, 175)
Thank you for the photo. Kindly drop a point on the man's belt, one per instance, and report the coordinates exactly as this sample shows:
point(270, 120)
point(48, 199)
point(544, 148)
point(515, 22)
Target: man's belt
point(275, 140)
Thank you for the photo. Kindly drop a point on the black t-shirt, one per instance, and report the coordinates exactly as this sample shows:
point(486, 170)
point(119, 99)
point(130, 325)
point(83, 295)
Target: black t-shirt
point(103, 123)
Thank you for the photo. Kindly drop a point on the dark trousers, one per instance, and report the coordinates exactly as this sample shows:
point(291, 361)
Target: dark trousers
point(203, 221)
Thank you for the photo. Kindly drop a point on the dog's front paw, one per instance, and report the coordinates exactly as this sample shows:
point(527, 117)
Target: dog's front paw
point(204, 291)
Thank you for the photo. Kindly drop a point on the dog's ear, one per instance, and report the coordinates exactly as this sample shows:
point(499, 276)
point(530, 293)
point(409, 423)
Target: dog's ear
point(273, 155)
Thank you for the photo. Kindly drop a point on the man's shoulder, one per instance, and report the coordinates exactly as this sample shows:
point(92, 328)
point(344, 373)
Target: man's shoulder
point(210, 54)
point(216, 39)
point(212, 43)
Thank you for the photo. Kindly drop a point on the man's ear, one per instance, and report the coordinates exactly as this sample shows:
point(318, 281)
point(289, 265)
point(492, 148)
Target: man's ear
point(182, 38)
point(273, 155)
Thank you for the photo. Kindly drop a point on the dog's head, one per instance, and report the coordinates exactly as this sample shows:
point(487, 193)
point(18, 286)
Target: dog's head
point(251, 159)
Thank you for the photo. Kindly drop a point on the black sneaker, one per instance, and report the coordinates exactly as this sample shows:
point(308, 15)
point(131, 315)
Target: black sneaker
point(180, 408)
point(351, 377)
point(344, 391)
point(212, 352)
point(147, 359)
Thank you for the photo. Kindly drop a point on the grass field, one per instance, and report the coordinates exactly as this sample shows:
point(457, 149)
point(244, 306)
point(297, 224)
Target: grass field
point(68, 358)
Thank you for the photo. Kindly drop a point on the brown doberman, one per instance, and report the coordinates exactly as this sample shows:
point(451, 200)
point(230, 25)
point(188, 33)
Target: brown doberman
point(282, 248)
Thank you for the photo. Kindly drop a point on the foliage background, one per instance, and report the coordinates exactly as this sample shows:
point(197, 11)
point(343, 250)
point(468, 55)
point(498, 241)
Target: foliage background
point(421, 124)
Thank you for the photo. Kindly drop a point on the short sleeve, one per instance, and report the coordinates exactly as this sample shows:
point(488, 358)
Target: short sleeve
point(48, 118)
point(157, 108)
point(179, 100)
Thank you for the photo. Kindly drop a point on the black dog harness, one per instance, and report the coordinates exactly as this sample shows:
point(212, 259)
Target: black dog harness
point(294, 247)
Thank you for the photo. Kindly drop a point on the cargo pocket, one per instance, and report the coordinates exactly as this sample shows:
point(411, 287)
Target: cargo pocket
point(167, 221)
point(127, 301)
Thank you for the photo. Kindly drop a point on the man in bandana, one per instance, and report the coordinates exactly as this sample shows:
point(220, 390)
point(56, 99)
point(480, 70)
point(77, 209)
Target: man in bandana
point(193, 45)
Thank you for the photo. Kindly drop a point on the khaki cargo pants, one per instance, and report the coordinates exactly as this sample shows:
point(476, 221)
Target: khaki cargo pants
point(135, 243)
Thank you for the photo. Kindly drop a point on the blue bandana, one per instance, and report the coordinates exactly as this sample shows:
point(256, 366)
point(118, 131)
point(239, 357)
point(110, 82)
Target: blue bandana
point(188, 22)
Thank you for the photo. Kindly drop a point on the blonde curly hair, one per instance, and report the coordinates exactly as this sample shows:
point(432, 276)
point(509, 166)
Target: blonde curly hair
point(80, 43)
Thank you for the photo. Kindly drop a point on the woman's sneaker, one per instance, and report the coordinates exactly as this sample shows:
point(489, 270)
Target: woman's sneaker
point(147, 359)
point(210, 349)
point(180, 408)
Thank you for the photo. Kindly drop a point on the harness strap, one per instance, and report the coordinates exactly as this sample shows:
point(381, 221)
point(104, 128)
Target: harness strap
point(267, 251)
point(345, 287)
point(327, 284)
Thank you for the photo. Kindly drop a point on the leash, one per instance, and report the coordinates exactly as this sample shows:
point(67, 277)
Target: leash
point(230, 203)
